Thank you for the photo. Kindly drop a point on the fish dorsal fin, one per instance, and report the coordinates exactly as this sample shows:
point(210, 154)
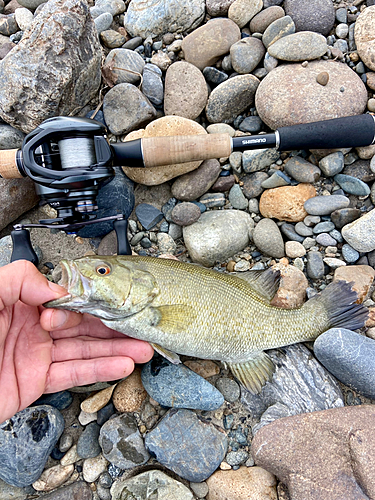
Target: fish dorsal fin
point(264, 283)
point(254, 372)
point(175, 318)
point(169, 355)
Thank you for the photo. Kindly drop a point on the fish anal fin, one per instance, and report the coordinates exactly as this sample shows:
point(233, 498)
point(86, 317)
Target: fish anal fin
point(254, 372)
point(264, 283)
point(175, 318)
point(169, 355)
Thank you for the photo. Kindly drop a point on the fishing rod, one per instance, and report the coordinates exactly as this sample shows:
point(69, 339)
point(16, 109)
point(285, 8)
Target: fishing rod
point(68, 158)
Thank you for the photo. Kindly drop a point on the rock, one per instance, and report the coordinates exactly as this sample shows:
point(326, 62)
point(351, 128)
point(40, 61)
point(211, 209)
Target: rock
point(17, 197)
point(93, 467)
point(315, 265)
point(316, 15)
point(261, 21)
point(112, 39)
point(157, 18)
point(24, 18)
point(252, 124)
point(360, 233)
point(299, 385)
point(237, 198)
point(148, 215)
point(165, 126)
point(242, 11)
point(85, 418)
point(258, 159)
point(114, 7)
point(26, 440)
point(363, 36)
point(325, 205)
point(214, 75)
point(337, 349)
point(229, 389)
point(302, 170)
point(175, 386)
point(253, 184)
point(332, 164)
point(31, 4)
point(185, 213)
point(103, 22)
point(59, 400)
point(70, 457)
point(186, 91)
point(231, 98)
point(211, 200)
point(217, 235)
point(361, 276)
point(290, 94)
point(193, 185)
point(150, 485)
point(286, 202)
point(267, 238)
point(302, 46)
point(342, 467)
point(222, 184)
point(87, 445)
point(278, 29)
point(152, 84)
point(290, 232)
point(53, 477)
point(75, 491)
point(123, 66)
point(349, 254)
point(122, 443)
point(246, 54)
point(166, 243)
point(246, 483)
point(129, 393)
point(97, 401)
point(125, 108)
point(70, 55)
point(352, 185)
point(195, 452)
point(292, 288)
point(203, 367)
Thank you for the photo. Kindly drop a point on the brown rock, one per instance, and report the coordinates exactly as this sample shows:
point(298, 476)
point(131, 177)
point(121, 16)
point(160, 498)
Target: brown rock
point(193, 185)
point(205, 45)
point(292, 289)
point(323, 78)
point(98, 400)
point(246, 483)
point(11, 7)
point(364, 35)
point(17, 196)
point(186, 91)
point(370, 80)
point(370, 323)
point(129, 393)
point(261, 21)
point(223, 184)
point(321, 455)
point(361, 276)
point(185, 213)
point(203, 367)
point(165, 126)
point(286, 202)
point(241, 11)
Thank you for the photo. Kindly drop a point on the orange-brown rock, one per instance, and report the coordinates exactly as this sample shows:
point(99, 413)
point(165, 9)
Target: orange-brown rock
point(286, 202)
point(361, 276)
point(130, 393)
point(292, 289)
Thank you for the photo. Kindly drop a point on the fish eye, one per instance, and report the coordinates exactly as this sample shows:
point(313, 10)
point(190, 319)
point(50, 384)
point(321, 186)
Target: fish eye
point(103, 269)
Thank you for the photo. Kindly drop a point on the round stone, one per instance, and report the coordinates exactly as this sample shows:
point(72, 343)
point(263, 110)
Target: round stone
point(311, 15)
point(325, 205)
point(278, 29)
point(241, 11)
point(294, 249)
point(360, 234)
point(261, 21)
point(123, 66)
point(246, 54)
point(267, 238)
point(364, 34)
point(191, 186)
point(185, 213)
point(286, 202)
point(302, 46)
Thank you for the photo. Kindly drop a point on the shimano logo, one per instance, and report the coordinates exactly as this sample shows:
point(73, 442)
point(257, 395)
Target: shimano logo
point(254, 141)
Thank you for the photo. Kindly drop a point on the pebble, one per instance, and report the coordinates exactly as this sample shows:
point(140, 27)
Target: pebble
point(362, 277)
point(237, 199)
point(148, 215)
point(53, 477)
point(258, 159)
point(214, 75)
point(306, 16)
point(334, 263)
point(302, 229)
point(26, 440)
point(85, 418)
point(185, 213)
point(59, 400)
point(129, 393)
point(332, 164)
point(301, 46)
point(211, 200)
point(264, 18)
point(103, 22)
point(242, 11)
point(290, 232)
point(123, 65)
point(323, 227)
point(325, 205)
point(93, 467)
point(325, 240)
point(292, 289)
point(122, 443)
point(197, 449)
point(199, 489)
point(294, 249)
point(97, 401)
point(360, 234)
point(278, 29)
point(251, 124)
point(152, 84)
point(24, 18)
point(352, 185)
point(277, 179)
point(175, 386)
point(229, 389)
point(267, 238)
point(203, 367)
point(315, 265)
point(302, 170)
point(287, 202)
point(223, 183)
point(246, 54)
point(349, 254)
point(70, 457)
point(252, 185)
point(112, 39)
point(166, 244)
point(87, 445)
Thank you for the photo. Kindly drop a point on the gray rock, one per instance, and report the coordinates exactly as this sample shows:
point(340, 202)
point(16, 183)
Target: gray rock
point(289, 231)
point(218, 8)
point(234, 458)
point(122, 443)
point(267, 238)
point(303, 230)
point(363, 33)
point(344, 216)
point(352, 185)
point(148, 215)
point(75, 491)
point(217, 235)
point(214, 75)
point(31, 4)
point(191, 186)
point(114, 7)
point(246, 54)
point(150, 485)
point(103, 22)
point(185, 213)
point(299, 385)
point(242, 12)
point(62, 49)
point(270, 62)
point(229, 389)
point(237, 198)
point(261, 21)
point(302, 170)
point(342, 15)
point(350, 255)
point(152, 18)
point(277, 179)
point(197, 449)
point(17, 196)
point(8, 25)
point(326, 240)
point(311, 220)
point(258, 159)
point(252, 184)
point(315, 265)
point(277, 30)
point(166, 243)
point(126, 108)
point(332, 164)
point(252, 124)
point(323, 227)
point(10, 138)
point(8, 492)
point(133, 43)
point(325, 205)
point(211, 200)
point(26, 440)
point(302, 46)
point(349, 357)
point(360, 234)
point(112, 39)
point(123, 66)
point(231, 98)
point(315, 15)
point(87, 444)
point(152, 84)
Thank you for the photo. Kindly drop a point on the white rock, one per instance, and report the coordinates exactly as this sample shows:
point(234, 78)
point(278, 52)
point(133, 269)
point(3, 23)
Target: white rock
point(70, 457)
point(24, 18)
point(53, 477)
point(93, 467)
point(85, 418)
point(360, 234)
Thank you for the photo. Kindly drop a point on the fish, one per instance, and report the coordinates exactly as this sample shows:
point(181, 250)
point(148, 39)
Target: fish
point(186, 309)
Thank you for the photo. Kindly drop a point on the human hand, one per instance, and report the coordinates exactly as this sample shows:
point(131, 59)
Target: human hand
point(49, 350)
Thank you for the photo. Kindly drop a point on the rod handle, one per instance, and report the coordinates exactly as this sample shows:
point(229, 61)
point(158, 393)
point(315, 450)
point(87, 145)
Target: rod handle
point(8, 164)
point(346, 132)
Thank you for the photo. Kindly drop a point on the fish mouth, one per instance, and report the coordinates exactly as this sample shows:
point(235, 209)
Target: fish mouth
point(74, 283)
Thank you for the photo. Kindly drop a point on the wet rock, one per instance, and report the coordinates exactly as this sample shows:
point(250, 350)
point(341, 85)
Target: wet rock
point(217, 235)
point(316, 15)
point(26, 440)
point(175, 386)
point(246, 54)
point(70, 55)
point(267, 238)
point(286, 202)
point(195, 452)
point(123, 66)
point(302, 46)
point(360, 234)
point(193, 185)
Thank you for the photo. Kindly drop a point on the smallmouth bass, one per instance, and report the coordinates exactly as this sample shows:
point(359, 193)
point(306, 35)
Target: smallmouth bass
point(187, 309)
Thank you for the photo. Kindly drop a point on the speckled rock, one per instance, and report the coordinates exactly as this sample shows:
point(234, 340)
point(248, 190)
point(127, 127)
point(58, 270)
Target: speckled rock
point(267, 238)
point(242, 11)
point(360, 234)
point(129, 393)
point(193, 185)
point(302, 170)
point(246, 54)
point(315, 15)
point(205, 45)
point(290, 94)
point(185, 213)
point(364, 34)
point(186, 91)
point(258, 159)
point(286, 202)
point(301, 46)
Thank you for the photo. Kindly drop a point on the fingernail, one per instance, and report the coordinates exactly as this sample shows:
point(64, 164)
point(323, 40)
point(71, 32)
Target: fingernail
point(56, 288)
point(58, 318)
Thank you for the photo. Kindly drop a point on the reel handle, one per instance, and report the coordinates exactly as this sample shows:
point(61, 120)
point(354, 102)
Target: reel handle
point(22, 247)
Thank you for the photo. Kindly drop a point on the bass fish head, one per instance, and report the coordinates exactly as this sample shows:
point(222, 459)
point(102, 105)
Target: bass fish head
point(105, 287)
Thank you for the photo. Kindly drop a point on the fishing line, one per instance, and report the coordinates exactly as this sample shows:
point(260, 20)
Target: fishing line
point(77, 152)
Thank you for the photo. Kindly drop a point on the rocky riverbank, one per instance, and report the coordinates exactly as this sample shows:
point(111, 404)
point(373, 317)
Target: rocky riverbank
point(152, 68)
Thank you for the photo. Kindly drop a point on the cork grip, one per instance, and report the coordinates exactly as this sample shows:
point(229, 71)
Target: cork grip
point(8, 165)
point(171, 150)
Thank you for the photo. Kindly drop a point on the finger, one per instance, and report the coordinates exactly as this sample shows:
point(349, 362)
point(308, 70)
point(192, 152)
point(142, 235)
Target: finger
point(82, 348)
point(59, 319)
point(90, 327)
point(69, 374)
point(21, 280)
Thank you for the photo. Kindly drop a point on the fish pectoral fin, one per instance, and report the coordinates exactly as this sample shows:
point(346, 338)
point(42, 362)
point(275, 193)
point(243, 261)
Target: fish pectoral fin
point(265, 283)
point(169, 355)
point(255, 372)
point(175, 318)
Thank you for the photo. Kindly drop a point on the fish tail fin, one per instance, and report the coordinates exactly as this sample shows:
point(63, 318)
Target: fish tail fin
point(339, 303)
